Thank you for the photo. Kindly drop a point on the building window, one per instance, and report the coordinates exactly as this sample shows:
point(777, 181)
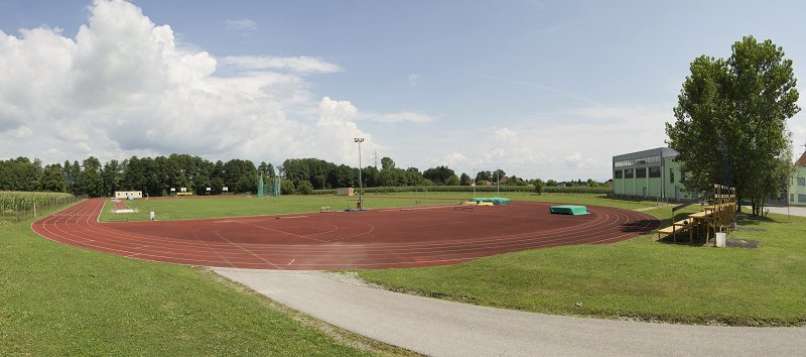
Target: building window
point(624, 163)
point(628, 173)
point(801, 198)
point(671, 175)
point(654, 171)
point(640, 172)
point(801, 181)
point(617, 174)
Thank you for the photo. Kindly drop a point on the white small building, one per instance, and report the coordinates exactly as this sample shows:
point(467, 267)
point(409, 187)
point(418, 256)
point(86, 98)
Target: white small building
point(344, 191)
point(128, 195)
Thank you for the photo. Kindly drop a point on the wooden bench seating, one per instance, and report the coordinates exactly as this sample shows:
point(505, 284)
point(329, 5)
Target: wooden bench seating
point(676, 227)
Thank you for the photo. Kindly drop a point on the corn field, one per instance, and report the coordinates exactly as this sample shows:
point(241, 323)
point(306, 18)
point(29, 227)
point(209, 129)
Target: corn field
point(16, 205)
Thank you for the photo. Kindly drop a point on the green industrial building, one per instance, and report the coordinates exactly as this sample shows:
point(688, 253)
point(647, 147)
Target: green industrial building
point(797, 188)
point(649, 174)
point(655, 174)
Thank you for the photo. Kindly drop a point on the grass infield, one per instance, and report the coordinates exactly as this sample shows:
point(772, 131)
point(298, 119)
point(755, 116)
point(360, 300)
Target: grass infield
point(62, 301)
point(167, 209)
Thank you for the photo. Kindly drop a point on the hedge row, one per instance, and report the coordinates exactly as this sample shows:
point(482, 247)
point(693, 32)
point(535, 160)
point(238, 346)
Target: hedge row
point(526, 188)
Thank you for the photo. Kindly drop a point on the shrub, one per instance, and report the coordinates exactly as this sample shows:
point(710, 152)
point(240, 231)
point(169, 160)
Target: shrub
point(305, 187)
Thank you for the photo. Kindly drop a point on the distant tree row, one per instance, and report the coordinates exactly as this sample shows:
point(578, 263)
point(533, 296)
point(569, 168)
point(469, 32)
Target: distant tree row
point(156, 176)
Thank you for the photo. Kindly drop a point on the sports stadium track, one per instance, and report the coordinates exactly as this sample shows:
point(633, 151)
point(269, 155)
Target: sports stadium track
point(380, 238)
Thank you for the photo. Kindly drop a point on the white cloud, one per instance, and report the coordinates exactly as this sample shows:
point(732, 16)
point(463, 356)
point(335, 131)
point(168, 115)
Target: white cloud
point(579, 143)
point(456, 159)
point(400, 117)
point(124, 86)
point(413, 78)
point(241, 24)
point(301, 64)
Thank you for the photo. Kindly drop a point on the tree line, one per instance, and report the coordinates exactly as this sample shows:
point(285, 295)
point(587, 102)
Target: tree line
point(158, 175)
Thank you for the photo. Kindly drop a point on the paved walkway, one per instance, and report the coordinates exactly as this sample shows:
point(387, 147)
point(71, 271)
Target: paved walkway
point(443, 328)
point(793, 210)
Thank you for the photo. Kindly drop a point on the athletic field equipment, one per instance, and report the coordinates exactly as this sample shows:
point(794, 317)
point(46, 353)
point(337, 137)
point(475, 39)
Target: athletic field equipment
point(718, 216)
point(268, 187)
point(572, 210)
point(494, 200)
point(475, 203)
point(378, 238)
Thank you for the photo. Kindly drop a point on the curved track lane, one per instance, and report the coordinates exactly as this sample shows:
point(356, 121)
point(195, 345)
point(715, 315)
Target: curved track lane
point(373, 239)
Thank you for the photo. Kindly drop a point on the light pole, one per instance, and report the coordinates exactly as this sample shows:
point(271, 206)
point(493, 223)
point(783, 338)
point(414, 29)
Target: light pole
point(360, 183)
point(474, 184)
point(497, 182)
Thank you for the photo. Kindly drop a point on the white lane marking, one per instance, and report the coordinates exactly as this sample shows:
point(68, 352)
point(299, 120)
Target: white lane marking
point(292, 261)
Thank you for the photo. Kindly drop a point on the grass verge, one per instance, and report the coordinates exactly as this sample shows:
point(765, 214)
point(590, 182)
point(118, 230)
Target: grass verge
point(637, 279)
point(59, 301)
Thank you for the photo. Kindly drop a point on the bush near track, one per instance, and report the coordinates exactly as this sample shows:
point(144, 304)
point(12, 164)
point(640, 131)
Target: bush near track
point(639, 278)
point(18, 205)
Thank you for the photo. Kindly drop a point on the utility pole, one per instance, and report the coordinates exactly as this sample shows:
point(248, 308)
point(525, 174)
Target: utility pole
point(376, 159)
point(360, 182)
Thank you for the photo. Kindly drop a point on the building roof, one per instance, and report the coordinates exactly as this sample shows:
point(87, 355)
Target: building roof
point(802, 160)
point(659, 151)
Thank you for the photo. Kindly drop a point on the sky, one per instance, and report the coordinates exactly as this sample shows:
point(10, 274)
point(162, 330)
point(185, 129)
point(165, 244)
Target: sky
point(539, 89)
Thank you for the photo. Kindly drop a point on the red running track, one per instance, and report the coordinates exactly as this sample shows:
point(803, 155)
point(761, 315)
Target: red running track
point(337, 240)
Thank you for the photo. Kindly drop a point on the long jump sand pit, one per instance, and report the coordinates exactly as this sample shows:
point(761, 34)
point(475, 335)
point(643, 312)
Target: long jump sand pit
point(379, 238)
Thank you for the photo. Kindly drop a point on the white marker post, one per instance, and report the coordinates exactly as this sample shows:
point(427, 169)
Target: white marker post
point(152, 216)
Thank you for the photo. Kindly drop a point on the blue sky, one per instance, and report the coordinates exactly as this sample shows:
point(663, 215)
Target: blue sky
point(541, 89)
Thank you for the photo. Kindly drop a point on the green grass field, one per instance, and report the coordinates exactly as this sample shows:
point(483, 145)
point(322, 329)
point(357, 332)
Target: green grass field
point(638, 278)
point(58, 300)
point(237, 206)
point(168, 209)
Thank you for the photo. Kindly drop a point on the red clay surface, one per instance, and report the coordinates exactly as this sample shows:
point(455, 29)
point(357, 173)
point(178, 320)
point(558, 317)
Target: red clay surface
point(338, 240)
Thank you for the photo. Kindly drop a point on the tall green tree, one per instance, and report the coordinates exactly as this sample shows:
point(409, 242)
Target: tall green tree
point(52, 179)
point(112, 176)
point(465, 180)
point(90, 180)
point(387, 163)
point(730, 120)
point(440, 175)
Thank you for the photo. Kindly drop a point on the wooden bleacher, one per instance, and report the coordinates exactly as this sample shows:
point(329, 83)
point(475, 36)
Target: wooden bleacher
point(715, 217)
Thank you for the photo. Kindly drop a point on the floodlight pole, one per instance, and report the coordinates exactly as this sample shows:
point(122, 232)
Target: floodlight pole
point(360, 182)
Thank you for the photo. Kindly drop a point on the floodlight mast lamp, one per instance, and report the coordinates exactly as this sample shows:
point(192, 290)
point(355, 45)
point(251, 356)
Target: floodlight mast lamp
point(360, 182)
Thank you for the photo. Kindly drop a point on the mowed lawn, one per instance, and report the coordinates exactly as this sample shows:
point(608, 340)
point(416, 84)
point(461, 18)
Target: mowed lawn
point(639, 278)
point(57, 300)
point(238, 206)
point(565, 198)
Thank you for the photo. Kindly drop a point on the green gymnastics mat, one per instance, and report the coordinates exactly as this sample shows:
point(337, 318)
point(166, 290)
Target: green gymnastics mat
point(494, 200)
point(569, 209)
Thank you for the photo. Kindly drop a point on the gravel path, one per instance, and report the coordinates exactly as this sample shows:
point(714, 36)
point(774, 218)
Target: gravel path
point(443, 328)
